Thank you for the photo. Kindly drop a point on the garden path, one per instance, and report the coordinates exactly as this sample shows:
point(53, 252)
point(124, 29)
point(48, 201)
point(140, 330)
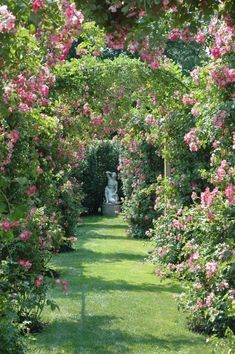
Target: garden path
point(115, 303)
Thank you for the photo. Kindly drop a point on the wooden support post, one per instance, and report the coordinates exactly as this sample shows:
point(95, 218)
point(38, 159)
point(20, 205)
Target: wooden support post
point(167, 168)
point(167, 173)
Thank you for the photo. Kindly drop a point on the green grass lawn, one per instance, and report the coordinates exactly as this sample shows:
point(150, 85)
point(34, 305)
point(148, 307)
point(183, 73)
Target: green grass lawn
point(115, 304)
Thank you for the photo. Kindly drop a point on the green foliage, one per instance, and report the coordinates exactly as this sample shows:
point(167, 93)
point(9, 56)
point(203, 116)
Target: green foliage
point(72, 196)
point(101, 156)
point(188, 12)
point(10, 329)
point(91, 41)
point(225, 345)
point(187, 55)
point(139, 172)
point(139, 211)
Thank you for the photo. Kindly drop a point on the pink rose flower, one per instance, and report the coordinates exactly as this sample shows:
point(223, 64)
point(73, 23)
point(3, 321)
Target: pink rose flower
point(25, 235)
point(211, 268)
point(6, 225)
point(25, 263)
point(31, 190)
point(200, 37)
point(230, 194)
point(192, 140)
point(208, 196)
point(37, 5)
point(7, 20)
point(174, 35)
point(39, 281)
point(209, 300)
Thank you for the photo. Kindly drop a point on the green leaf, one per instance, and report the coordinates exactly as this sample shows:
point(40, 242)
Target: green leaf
point(19, 212)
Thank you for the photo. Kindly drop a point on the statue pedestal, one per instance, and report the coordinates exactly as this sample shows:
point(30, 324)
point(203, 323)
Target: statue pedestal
point(111, 209)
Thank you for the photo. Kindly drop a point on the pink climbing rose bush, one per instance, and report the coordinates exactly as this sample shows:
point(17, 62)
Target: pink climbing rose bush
point(35, 35)
point(7, 20)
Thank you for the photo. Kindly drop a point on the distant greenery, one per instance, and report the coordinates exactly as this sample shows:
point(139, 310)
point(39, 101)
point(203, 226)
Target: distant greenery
point(101, 156)
point(187, 55)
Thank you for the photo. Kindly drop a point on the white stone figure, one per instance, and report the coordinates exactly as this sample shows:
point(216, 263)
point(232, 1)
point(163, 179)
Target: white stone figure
point(111, 189)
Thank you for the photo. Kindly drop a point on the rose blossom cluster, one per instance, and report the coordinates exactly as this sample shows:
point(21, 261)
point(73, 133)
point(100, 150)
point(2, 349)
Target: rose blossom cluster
point(59, 44)
point(191, 262)
point(80, 154)
point(123, 131)
point(186, 35)
point(12, 138)
point(152, 57)
point(138, 173)
point(188, 100)
point(117, 39)
point(39, 281)
point(7, 20)
point(37, 5)
point(200, 37)
point(124, 165)
point(223, 75)
point(230, 193)
point(7, 225)
point(133, 146)
point(192, 140)
point(219, 118)
point(211, 268)
point(223, 33)
point(221, 171)
point(147, 53)
point(97, 120)
point(74, 17)
point(149, 119)
point(208, 196)
point(28, 91)
point(25, 263)
point(31, 190)
point(178, 224)
point(25, 235)
point(108, 108)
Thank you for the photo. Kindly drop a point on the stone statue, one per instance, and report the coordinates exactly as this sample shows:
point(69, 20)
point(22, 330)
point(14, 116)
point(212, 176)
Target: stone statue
point(111, 189)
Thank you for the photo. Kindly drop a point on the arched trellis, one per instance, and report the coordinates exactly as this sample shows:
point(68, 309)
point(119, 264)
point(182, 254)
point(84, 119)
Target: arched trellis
point(95, 83)
point(120, 82)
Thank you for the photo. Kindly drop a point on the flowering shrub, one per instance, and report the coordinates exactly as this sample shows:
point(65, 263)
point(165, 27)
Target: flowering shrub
point(72, 197)
point(10, 328)
point(139, 211)
point(138, 173)
point(195, 244)
point(194, 237)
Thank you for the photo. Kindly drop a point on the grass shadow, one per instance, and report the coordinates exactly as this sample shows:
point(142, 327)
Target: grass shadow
point(89, 256)
point(103, 226)
point(98, 335)
point(99, 284)
point(84, 235)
